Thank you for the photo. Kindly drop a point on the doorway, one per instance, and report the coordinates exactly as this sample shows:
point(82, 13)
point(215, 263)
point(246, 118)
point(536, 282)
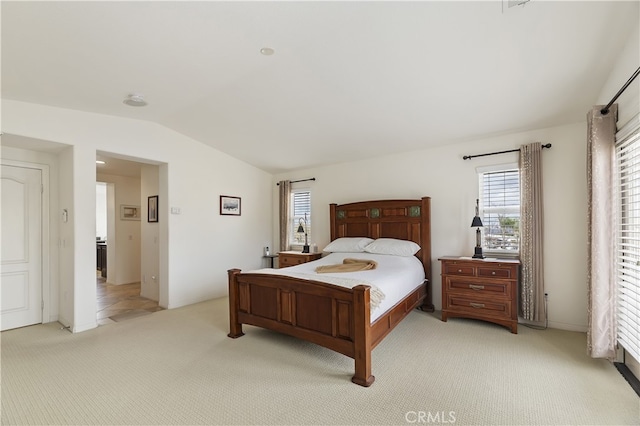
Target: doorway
point(123, 278)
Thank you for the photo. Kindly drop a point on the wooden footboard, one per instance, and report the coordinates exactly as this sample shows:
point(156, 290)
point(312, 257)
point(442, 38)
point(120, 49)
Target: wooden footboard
point(331, 316)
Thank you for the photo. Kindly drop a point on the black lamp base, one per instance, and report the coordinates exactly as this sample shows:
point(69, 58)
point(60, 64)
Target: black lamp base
point(305, 248)
point(478, 253)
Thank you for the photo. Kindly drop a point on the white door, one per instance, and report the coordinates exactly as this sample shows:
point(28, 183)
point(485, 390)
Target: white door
point(21, 266)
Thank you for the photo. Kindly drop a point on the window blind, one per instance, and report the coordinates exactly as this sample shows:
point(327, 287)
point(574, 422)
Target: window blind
point(500, 200)
point(301, 205)
point(628, 239)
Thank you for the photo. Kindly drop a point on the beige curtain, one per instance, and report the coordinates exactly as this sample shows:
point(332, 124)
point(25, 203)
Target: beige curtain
point(285, 198)
point(602, 214)
point(532, 306)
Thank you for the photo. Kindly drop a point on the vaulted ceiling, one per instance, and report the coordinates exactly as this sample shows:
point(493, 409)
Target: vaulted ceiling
point(346, 80)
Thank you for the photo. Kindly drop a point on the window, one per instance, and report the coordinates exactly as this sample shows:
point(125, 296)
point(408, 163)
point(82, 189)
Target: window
point(500, 208)
point(300, 205)
point(628, 239)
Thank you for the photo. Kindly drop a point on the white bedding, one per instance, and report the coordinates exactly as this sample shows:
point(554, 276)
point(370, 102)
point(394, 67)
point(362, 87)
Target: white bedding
point(395, 276)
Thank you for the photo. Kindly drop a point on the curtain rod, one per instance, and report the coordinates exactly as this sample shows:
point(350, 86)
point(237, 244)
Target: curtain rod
point(469, 157)
point(605, 110)
point(301, 180)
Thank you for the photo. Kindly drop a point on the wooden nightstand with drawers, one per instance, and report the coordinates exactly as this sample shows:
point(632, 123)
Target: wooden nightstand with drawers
point(292, 258)
point(484, 289)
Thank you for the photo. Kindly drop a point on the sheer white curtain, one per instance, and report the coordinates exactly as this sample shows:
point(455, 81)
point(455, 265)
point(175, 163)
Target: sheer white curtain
point(532, 306)
point(602, 214)
point(284, 202)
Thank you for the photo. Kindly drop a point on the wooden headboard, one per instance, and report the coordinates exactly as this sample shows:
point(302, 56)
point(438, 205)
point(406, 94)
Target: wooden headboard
point(401, 219)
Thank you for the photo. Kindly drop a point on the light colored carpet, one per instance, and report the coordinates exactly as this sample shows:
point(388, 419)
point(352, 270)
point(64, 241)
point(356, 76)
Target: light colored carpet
point(178, 367)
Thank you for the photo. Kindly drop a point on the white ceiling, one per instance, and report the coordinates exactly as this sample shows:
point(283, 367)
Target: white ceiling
point(348, 80)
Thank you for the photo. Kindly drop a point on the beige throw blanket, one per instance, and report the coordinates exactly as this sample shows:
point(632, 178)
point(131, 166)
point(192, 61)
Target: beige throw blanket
point(348, 265)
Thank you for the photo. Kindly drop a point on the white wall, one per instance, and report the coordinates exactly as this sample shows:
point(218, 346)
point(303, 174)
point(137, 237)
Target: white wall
point(442, 174)
point(199, 244)
point(66, 247)
point(625, 66)
point(83, 219)
point(112, 259)
point(101, 210)
point(451, 182)
point(150, 256)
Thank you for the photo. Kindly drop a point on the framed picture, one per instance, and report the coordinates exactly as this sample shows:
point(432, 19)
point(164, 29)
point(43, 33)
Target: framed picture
point(230, 205)
point(152, 211)
point(128, 212)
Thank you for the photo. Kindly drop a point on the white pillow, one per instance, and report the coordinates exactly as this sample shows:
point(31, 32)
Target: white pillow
point(348, 245)
point(393, 247)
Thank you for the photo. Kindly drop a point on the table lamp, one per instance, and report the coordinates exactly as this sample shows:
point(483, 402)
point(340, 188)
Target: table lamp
point(477, 223)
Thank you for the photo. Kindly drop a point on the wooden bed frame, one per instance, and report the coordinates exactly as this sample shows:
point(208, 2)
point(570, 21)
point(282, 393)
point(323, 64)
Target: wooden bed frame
point(331, 316)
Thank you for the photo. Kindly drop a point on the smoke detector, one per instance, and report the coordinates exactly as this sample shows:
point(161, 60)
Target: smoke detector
point(135, 99)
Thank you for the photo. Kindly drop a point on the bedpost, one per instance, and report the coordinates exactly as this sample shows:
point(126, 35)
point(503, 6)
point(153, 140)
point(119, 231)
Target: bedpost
point(425, 229)
point(362, 336)
point(235, 328)
point(332, 219)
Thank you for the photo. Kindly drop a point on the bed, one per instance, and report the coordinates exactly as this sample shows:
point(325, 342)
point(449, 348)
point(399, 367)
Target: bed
point(330, 315)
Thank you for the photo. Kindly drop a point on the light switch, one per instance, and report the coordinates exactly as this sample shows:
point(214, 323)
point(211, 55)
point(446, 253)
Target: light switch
point(175, 210)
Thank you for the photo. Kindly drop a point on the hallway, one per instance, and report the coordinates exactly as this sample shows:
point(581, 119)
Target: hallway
point(118, 303)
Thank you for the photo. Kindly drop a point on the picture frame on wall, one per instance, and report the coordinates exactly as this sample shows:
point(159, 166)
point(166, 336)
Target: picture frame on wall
point(129, 212)
point(230, 205)
point(152, 211)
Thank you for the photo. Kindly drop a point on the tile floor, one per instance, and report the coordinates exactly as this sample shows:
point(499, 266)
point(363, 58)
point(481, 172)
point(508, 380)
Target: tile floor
point(121, 302)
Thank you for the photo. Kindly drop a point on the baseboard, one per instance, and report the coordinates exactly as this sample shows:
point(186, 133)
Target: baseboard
point(629, 376)
point(567, 327)
point(84, 327)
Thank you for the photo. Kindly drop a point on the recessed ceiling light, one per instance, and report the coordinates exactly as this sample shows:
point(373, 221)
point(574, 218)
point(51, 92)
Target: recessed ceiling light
point(100, 162)
point(135, 99)
point(267, 51)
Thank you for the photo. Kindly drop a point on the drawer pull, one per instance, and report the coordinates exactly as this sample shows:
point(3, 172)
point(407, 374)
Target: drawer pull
point(493, 272)
point(477, 305)
point(460, 271)
point(476, 287)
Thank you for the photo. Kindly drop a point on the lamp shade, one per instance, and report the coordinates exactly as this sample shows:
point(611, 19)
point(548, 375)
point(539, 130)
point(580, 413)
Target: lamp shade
point(476, 219)
point(300, 228)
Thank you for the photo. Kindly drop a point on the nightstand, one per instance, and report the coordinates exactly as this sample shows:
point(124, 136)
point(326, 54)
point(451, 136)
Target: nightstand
point(292, 258)
point(484, 289)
